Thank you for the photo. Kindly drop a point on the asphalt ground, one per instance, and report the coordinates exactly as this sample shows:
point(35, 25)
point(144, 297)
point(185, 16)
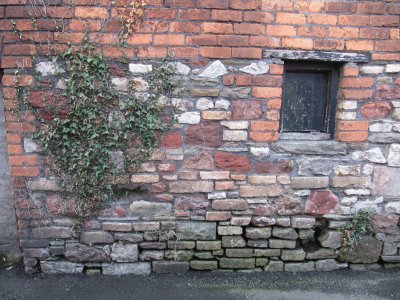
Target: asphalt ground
point(343, 284)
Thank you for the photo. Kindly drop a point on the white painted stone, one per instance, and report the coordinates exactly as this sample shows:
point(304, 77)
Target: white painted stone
point(394, 155)
point(302, 193)
point(215, 70)
point(346, 115)
point(119, 84)
point(259, 151)
point(393, 207)
point(368, 169)
point(396, 127)
point(381, 127)
point(256, 68)
point(48, 68)
point(371, 70)
point(374, 155)
point(222, 104)
point(192, 117)
point(234, 135)
point(235, 124)
point(368, 204)
point(347, 105)
point(140, 68)
point(357, 192)
point(181, 68)
point(30, 146)
point(393, 68)
point(216, 195)
point(348, 200)
point(204, 104)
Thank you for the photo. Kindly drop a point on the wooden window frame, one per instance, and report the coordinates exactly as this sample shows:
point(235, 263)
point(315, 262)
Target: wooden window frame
point(332, 69)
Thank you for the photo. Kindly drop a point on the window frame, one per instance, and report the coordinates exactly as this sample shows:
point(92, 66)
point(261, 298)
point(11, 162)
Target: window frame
point(333, 70)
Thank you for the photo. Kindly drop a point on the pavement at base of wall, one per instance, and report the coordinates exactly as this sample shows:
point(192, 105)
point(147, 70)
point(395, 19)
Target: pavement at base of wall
point(345, 284)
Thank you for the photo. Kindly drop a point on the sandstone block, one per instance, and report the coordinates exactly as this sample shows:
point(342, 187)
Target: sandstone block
point(258, 233)
point(230, 230)
point(150, 210)
point(96, 237)
point(309, 182)
point(191, 187)
point(196, 230)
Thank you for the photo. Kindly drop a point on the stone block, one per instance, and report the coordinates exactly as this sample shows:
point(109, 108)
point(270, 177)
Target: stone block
point(96, 237)
point(394, 155)
point(233, 242)
point(129, 237)
point(214, 175)
point(230, 204)
point(267, 252)
point(351, 182)
point(257, 243)
point(191, 187)
point(309, 182)
point(244, 252)
point(322, 253)
point(263, 221)
point(366, 252)
point(83, 253)
point(237, 263)
point(151, 210)
point(151, 255)
point(258, 233)
point(293, 255)
point(321, 203)
point(36, 252)
point(182, 245)
point(179, 255)
point(303, 222)
point(230, 230)
point(240, 221)
point(146, 226)
point(52, 232)
point(274, 266)
point(139, 268)
point(311, 147)
point(111, 226)
point(60, 267)
point(273, 190)
point(329, 265)
point(331, 239)
point(282, 244)
point(124, 252)
point(196, 230)
point(285, 233)
point(385, 181)
point(204, 265)
point(261, 179)
point(208, 245)
point(170, 267)
point(300, 267)
point(145, 178)
point(234, 135)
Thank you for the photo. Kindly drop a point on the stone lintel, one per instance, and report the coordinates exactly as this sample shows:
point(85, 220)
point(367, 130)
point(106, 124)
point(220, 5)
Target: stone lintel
point(324, 56)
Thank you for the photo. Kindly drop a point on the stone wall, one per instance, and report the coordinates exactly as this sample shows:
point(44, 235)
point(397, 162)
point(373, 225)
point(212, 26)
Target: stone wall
point(226, 190)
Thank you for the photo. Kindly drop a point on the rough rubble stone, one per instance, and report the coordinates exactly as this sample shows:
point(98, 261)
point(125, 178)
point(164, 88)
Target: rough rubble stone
point(293, 255)
point(394, 155)
point(140, 68)
point(215, 70)
point(83, 253)
point(311, 147)
point(331, 239)
point(321, 253)
point(366, 252)
point(256, 68)
point(206, 135)
point(200, 161)
point(96, 237)
point(233, 242)
point(240, 253)
point(385, 181)
point(222, 104)
point(119, 84)
point(282, 244)
point(52, 232)
point(196, 230)
point(258, 233)
point(321, 203)
point(274, 266)
point(204, 104)
point(300, 267)
point(374, 155)
point(139, 268)
point(204, 265)
point(192, 117)
point(384, 138)
point(48, 68)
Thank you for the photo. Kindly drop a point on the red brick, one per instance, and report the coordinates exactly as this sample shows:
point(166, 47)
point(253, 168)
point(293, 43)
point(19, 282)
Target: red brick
point(245, 4)
point(371, 8)
point(350, 136)
point(103, 38)
point(20, 80)
point(214, 4)
point(341, 33)
point(216, 52)
point(117, 52)
point(14, 138)
point(350, 71)
point(389, 46)
point(340, 7)
point(160, 13)
point(80, 25)
point(139, 39)
point(69, 37)
point(328, 44)
point(384, 21)
point(231, 162)
point(181, 3)
point(249, 28)
point(277, 167)
point(352, 125)
point(28, 160)
point(258, 17)
point(14, 149)
point(264, 41)
point(247, 52)
point(233, 40)
point(152, 52)
point(281, 30)
point(313, 31)
point(266, 92)
point(267, 80)
point(268, 136)
point(169, 39)
point(365, 82)
point(356, 94)
point(297, 43)
point(375, 110)
point(222, 28)
point(13, 12)
point(10, 62)
point(290, 18)
point(228, 80)
point(226, 15)
point(218, 215)
point(195, 14)
point(246, 110)
point(19, 49)
point(309, 6)
point(276, 69)
point(277, 5)
point(274, 104)
point(91, 12)
point(322, 19)
point(202, 40)
point(264, 126)
point(243, 80)
point(352, 21)
point(183, 52)
point(24, 171)
point(189, 27)
point(360, 45)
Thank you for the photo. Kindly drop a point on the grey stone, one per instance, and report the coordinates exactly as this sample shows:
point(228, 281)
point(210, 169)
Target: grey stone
point(366, 252)
point(384, 138)
point(182, 245)
point(150, 210)
point(170, 267)
point(181, 68)
point(30, 146)
point(331, 239)
point(216, 69)
point(293, 255)
point(34, 243)
point(208, 245)
point(30, 262)
point(306, 234)
point(129, 237)
point(119, 84)
point(311, 147)
point(303, 222)
point(329, 265)
point(204, 104)
point(364, 267)
point(373, 155)
point(83, 253)
point(389, 249)
point(60, 267)
point(385, 181)
point(262, 262)
point(274, 266)
point(196, 231)
point(204, 265)
point(285, 233)
point(96, 237)
point(280, 244)
point(235, 93)
point(52, 232)
point(244, 252)
point(36, 252)
point(394, 155)
point(237, 263)
point(318, 166)
point(222, 104)
point(391, 258)
point(139, 268)
point(113, 226)
point(256, 68)
point(230, 230)
point(300, 267)
point(205, 254)
point(258, 233)
point(322, 253)
point(179, 255)
point(317, 56)
point(233, 242)
point(153, 245)
point(267, 252)
point(257, 243)
point(351, 182)
point(124, 252)
point(151, 255)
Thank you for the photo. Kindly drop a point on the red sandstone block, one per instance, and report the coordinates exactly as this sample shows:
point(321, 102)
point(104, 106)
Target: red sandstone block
point(245, 4)
point(264, 126)
point(24, 171)
point(290, 18)
point(226, 15)
point(91, 12)
point(213, 3)
point(233, 40)
point(356, 94)
point(225, 185)
point(375, 110)
point(28, 160)
point(160, 13)
point(169, 39)
point(258, 17)
point(10, 62)
point(14, 149)
point(352, 125)
point(172, 140)
point(218, 215)
point(352, 21)
point(268, 136)
point(365, 82)
point(384, 21)
point(297, 43)
point(231, 162)
point(202, 40)
point(266, 92)
point(281, 30)
point(358, 45)
point(264, 41)
point(350, 136)
point(222, 28)
point(195, 14)
point(322, 19)
point(20, 80)
point(249, 28)
point(216, 52)
point(247, 52)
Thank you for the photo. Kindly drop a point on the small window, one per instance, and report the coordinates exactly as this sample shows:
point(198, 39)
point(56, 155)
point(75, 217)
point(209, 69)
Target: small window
point(309, 98)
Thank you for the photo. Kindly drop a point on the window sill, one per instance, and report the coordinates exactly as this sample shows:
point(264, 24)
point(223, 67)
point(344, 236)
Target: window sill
point(305, 136)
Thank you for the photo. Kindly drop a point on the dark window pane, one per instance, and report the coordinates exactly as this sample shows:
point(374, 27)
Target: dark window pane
point(304, 101)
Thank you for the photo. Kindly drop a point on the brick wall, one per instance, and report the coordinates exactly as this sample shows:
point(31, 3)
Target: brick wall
point(235, 192)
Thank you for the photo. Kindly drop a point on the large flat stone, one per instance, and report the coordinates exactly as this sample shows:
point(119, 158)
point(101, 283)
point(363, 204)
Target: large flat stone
point(96, 237)
point(150, 210)
point(124, 252)
point(60, 267)
point(139, 268)
point(311, 147)
point(384, 138)
point(196, 231)
point(170, 267)
point(237, 263)
point(84, 253)
point(191, 187)
point(386, 182)
point(52, 232)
